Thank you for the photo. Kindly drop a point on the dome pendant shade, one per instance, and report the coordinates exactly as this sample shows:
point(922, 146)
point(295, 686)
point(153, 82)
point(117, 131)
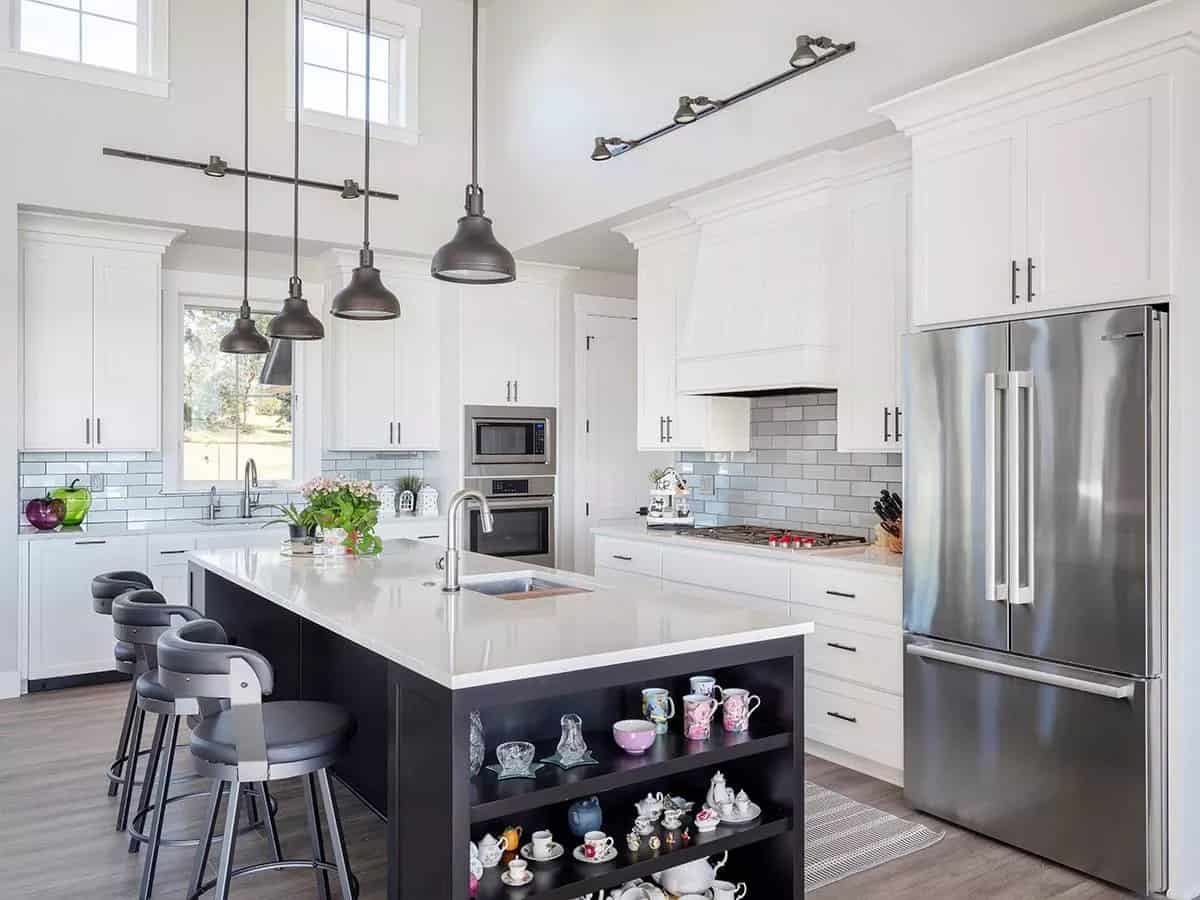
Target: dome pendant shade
point(296, 322)
point(244, 338)
point(474, 256)
point(365, 297)
point(277, 369)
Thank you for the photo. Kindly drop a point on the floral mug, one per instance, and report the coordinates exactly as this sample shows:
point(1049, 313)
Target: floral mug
point(737, 706)
point(698, 712)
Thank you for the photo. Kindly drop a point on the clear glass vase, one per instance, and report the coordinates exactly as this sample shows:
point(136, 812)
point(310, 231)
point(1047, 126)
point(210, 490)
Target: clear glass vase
point(477, 746)
point(571, 746)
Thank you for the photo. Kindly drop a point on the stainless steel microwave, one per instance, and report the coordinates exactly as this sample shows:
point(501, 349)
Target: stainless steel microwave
point(509, 440)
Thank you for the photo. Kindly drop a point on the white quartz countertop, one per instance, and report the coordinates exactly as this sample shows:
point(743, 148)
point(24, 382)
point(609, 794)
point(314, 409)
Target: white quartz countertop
point(868, 558)
point(430, 524)
point(394, 606)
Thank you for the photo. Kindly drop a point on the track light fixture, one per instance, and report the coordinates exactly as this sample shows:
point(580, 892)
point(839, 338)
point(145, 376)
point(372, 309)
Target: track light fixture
point(805, 58)
point(351, 190)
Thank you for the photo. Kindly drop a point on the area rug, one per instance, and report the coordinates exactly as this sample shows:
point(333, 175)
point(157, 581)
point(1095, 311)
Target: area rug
point(843, 837)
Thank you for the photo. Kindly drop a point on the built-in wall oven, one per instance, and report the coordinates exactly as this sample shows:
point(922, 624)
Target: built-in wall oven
point(509, 440)
point(523, 519)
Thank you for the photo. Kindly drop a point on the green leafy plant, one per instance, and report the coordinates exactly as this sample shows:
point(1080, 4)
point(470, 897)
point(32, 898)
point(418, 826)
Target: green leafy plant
point(412, 483)
point(352, 506)
point(290, 515)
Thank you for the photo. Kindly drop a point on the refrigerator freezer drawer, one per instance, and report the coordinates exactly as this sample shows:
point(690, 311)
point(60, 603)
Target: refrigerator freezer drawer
point(1058, 761)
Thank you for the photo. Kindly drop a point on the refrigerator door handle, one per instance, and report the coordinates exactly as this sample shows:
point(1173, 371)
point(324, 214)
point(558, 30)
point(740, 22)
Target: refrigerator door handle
point(997, 583)
point(1019, 462)
point(1122, 691)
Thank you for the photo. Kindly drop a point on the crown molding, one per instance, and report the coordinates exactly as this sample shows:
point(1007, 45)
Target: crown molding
point(659, 226)
point(61, 227)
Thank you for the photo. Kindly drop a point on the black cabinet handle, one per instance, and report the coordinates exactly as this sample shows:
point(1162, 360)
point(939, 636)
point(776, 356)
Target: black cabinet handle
point(508, 391)
point(1015, 270)
point(886, 412)
point(87, 431)
point(80, 543)
point(849, 719)
point(391, 432)
point(669, 438)
point(837, 646)
point(897, 423)
point(1029, 279)
point(662, 422)
point(626, 558)
point(516, 392)
point(98, 441)
point(170, 552)
point(841, 594)
point(427, 537)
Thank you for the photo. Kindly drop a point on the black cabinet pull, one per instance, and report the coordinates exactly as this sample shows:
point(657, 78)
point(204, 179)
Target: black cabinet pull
point(391, 432)
point(87, 431)
point(886, 412)
point(508, 392)
point(98, 441)
point(427, 537)
point(661, 425)
point(626, 558)
point(840, 594)
point(80, 543)
point(897, 423)
point(516, 391)
point(837, 646)
point(669, 438)
point(1015, 270)
point(170, 552)
point(850, 719)
point(1029, 279)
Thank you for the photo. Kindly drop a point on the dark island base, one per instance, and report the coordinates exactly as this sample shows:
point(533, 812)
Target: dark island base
point(409, 758)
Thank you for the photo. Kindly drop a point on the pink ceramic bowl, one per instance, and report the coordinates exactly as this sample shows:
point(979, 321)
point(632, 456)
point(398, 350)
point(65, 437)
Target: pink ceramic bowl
point(634, 735)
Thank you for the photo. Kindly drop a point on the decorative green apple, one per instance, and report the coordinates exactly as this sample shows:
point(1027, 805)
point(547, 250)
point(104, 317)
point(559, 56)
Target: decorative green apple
point(77, 499)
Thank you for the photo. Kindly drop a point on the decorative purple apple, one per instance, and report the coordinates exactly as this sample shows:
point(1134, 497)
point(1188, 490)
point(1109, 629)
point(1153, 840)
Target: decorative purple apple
point(45, 513)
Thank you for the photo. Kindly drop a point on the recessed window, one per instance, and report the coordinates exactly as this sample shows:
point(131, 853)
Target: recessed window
point(335, 71)
point(97, 32)
point(228, 417)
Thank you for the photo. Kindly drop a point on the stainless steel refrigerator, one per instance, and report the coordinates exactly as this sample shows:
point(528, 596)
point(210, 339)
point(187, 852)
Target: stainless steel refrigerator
point(1034, 603)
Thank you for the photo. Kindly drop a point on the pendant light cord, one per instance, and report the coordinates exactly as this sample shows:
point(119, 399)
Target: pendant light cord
point(367, 139)
point(296, 159)
point(245, 312)
point(475, 95)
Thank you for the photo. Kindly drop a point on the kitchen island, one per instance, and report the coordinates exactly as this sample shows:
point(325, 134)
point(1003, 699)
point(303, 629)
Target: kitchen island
point(411, 663)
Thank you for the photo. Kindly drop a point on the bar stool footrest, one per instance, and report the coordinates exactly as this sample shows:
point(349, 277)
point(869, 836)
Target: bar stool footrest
point(281, 864)
point(136, 829)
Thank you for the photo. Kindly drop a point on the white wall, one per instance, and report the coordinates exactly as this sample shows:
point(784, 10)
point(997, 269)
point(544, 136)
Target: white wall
point(560, 74)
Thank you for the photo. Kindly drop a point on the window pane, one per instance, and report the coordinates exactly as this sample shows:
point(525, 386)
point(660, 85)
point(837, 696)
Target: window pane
point(379, 99)
point(379, 54)
point(324, 44)
point(227, 416)
point(114, 9)
point(109, 44)
point(65, 4)
point(324, 90)
point(49, 30)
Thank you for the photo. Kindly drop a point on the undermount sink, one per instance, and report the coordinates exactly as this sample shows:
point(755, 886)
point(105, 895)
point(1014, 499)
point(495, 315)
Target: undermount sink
point(518, 585)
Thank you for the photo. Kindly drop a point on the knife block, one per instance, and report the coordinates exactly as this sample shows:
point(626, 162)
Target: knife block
point(892, 543)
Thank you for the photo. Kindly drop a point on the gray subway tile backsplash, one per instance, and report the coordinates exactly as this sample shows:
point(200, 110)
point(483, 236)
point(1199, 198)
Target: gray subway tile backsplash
point(128, 487)
point(793, 476)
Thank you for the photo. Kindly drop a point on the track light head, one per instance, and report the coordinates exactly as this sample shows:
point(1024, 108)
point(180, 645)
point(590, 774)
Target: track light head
point(804, 54)
point(601, 152)
point(685, 113)
point(350, 189)
point(216, 167)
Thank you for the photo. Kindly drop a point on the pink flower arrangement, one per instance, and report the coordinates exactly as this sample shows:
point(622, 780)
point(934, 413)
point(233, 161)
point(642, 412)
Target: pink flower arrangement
point(349, 505)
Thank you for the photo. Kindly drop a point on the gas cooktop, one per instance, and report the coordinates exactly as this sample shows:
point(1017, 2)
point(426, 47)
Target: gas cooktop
point(783, 538)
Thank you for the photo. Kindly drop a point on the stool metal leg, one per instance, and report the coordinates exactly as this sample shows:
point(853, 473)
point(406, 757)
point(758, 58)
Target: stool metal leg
point(150, 863)
point(228, 841)
point(123, 740)
point(206, 839)
point(314, 834)
point(268, 821)
point(152, 761)
point(130, 771)
point(334, 820)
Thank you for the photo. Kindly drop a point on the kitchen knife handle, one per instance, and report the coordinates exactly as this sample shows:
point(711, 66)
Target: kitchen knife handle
point(886, 412)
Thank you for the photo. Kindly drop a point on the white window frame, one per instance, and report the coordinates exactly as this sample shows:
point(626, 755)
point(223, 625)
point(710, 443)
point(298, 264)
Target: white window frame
point(153, 45)
point(182, 289)
point(390, 19)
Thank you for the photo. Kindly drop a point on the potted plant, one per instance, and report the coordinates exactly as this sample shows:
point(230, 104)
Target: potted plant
point(411, 484)
point(352, 506)
point(301, 523)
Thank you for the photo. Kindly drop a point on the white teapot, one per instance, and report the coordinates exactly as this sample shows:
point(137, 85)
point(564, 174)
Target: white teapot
point(490, 851)
point(695, 877)
point(651, 806)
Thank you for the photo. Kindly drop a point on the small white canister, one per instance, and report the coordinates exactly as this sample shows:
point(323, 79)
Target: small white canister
point(387, 501)
point(427, 501)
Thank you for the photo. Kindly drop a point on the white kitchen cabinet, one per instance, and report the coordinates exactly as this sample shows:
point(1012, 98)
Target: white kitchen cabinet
point(65, 636)
point(169, 567)
point(872, 228)
point(91, 334)
point(510, 344)
point(385, 377)
point(633, 581)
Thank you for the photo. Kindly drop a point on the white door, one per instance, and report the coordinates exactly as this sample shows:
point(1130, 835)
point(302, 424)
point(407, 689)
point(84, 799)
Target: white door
point(536, 345)
point(873, 253)
point(1099, 197)
point(418, 365)
point(362, 380)
point(970, 202)
point(57, 313)
point(65, 636)
point(615, 472)
point(126, 328)
point(489, 342)
point(655, 345)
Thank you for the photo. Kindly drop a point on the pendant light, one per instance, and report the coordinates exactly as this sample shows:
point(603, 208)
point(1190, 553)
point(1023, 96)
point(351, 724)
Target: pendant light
point(244, 338)
point(296, 322)
point(365, 297)
point(474, 256)
point(277, 369)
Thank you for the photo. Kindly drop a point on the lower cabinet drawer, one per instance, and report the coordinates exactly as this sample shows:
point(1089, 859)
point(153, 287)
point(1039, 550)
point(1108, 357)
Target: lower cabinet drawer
point(633, 580)
point(628, 556)
point(849, 591)
point(853, 649)
point(857, 720)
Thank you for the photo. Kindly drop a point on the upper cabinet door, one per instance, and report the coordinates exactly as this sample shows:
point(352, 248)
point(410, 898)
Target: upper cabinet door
point(57, 314)
point(126, 328)
point(970, 211)
point(489, 335)
point(418, 364)
point(362, 382)
point(655, 344)
point(1099, 197)
point(536, 345)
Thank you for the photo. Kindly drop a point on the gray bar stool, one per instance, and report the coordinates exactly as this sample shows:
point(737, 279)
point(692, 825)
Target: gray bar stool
point(252, 742)
point(106, 587)
point(140, 618)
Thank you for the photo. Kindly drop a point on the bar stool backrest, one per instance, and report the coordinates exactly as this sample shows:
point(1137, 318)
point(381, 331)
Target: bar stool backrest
point(107, 586)
point(141, 616)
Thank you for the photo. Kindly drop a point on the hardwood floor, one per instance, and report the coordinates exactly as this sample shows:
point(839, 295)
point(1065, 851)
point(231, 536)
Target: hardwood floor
point(57, 838)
